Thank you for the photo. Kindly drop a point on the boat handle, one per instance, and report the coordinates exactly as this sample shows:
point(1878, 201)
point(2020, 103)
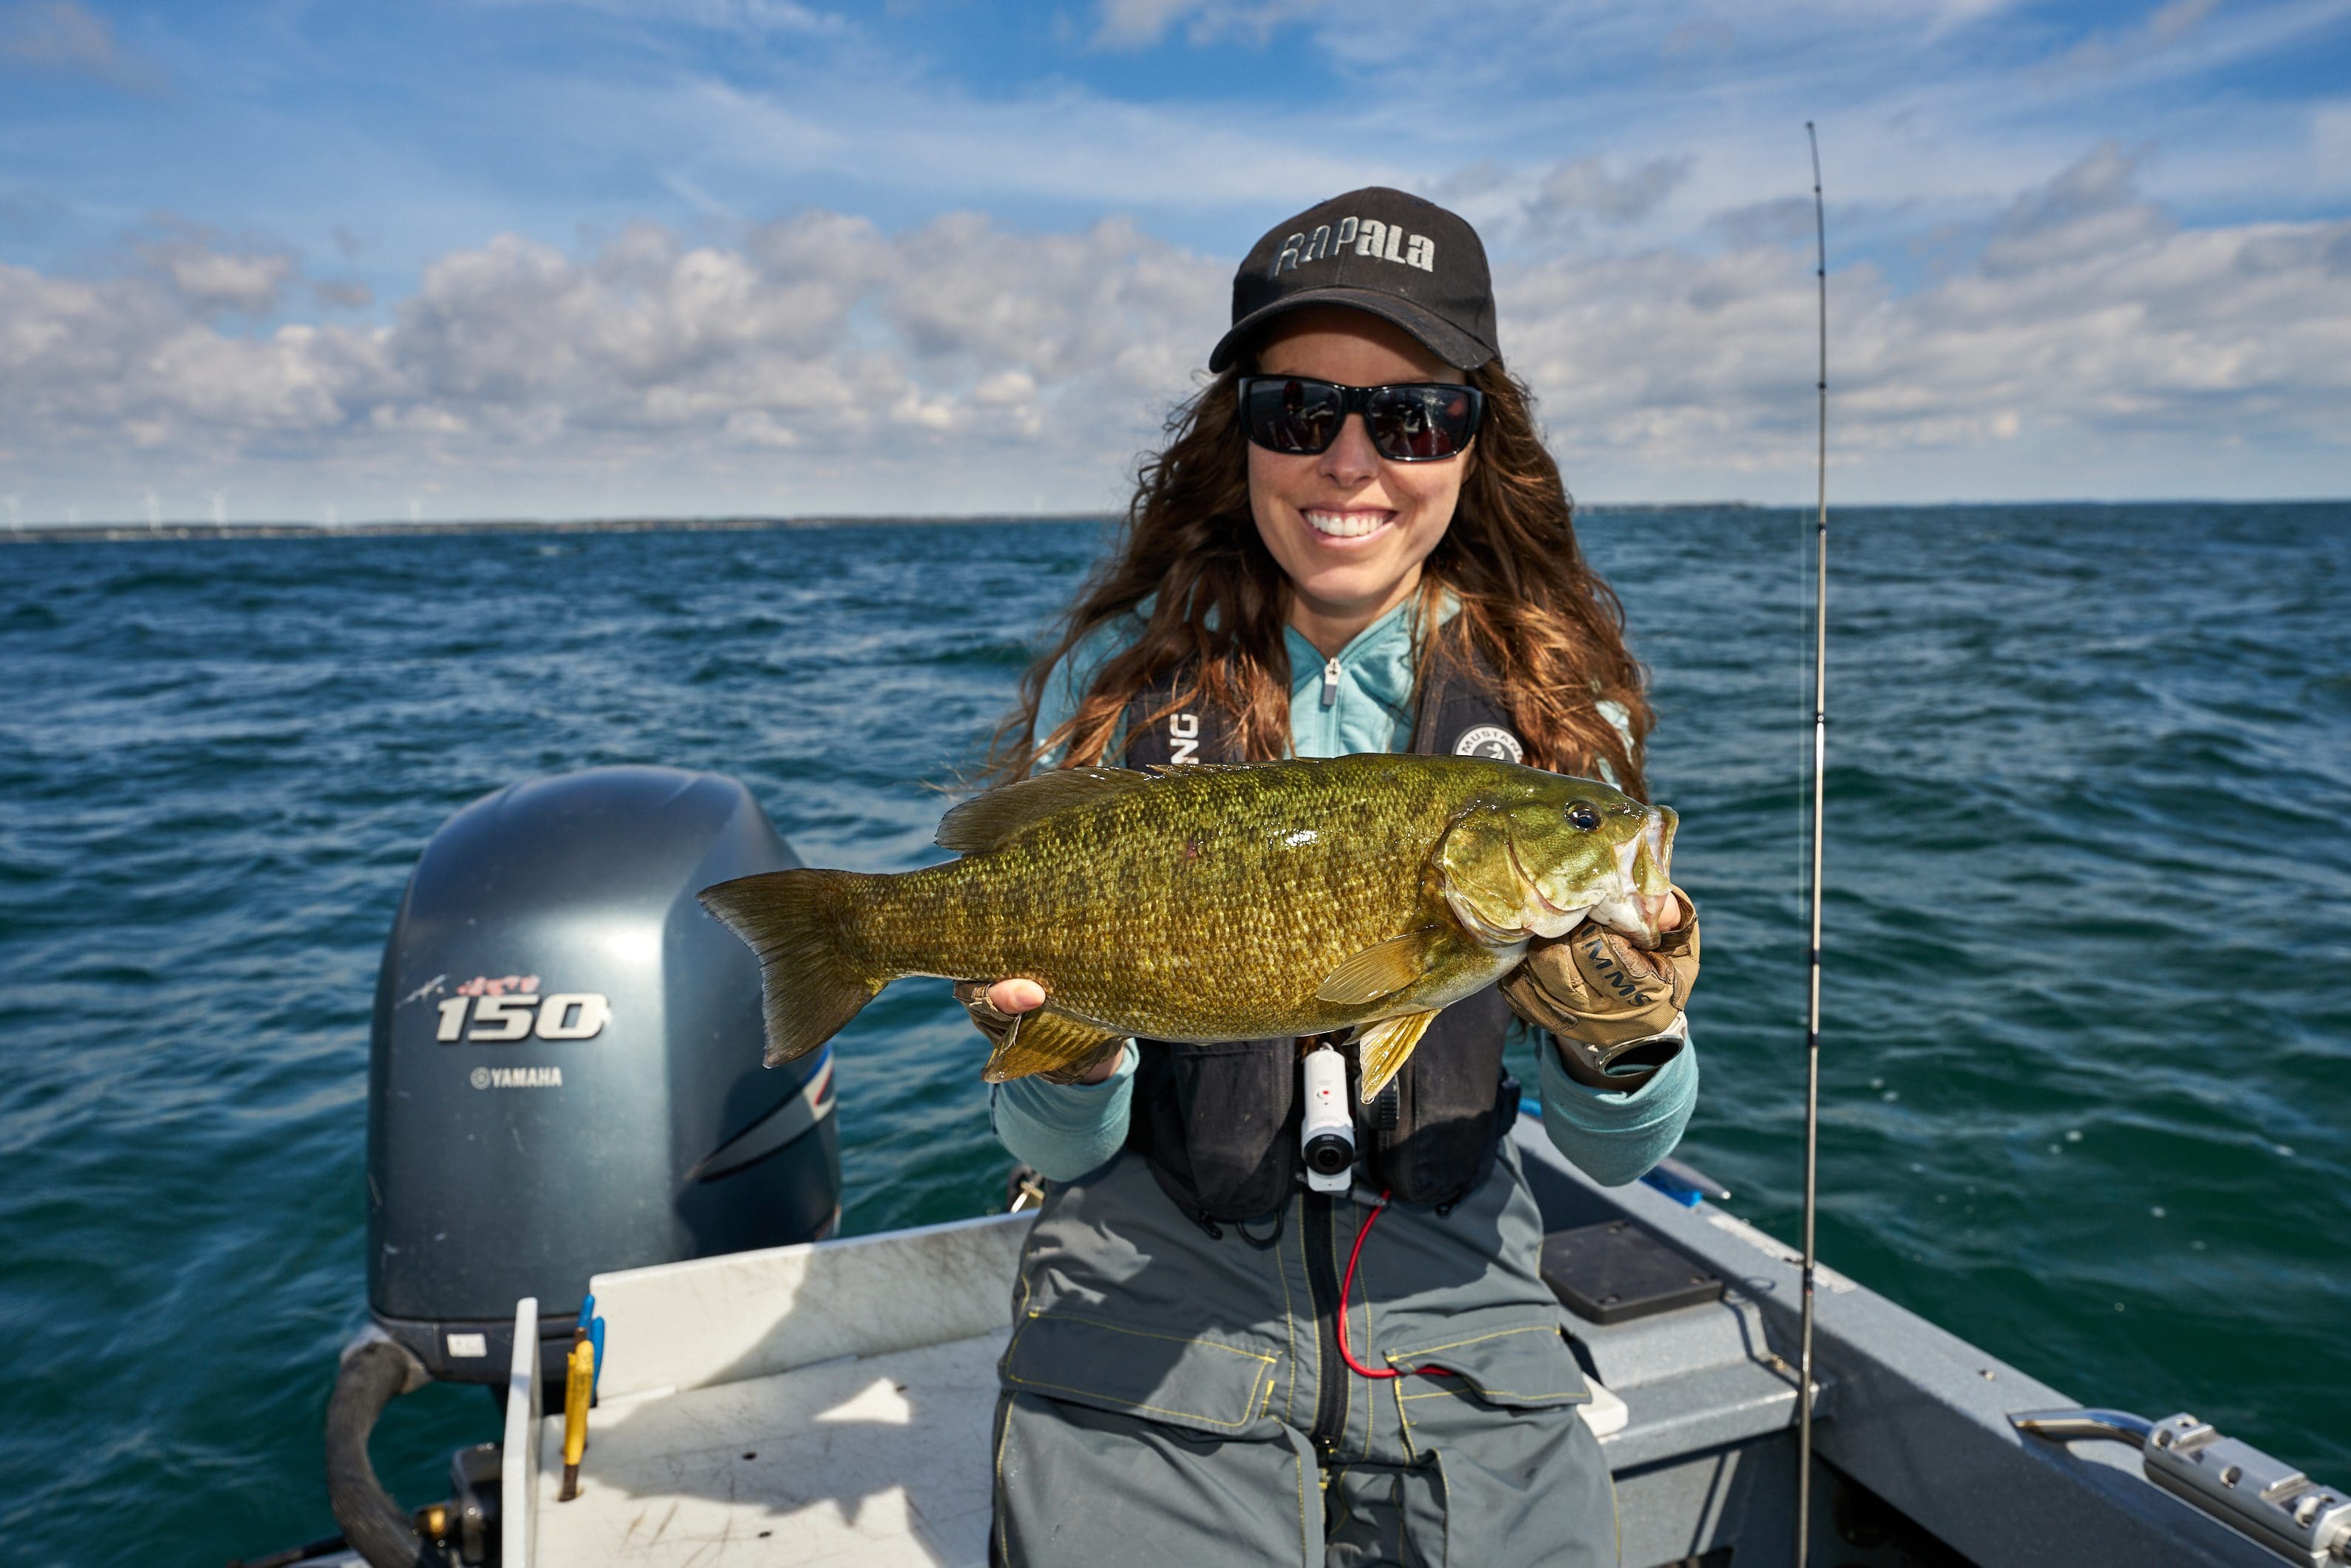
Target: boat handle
point(2236, 1483)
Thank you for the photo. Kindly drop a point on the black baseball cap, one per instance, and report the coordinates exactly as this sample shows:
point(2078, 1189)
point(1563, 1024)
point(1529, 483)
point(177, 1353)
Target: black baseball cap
point(1402, 258)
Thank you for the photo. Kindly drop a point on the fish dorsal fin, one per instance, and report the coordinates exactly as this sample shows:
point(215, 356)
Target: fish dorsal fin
point(1385, 1048)
point(984, 821)
point(1377, 971)
point(1044, 1041)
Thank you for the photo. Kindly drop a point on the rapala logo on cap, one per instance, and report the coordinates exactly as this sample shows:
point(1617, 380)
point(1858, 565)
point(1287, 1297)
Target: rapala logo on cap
point(1368, 236)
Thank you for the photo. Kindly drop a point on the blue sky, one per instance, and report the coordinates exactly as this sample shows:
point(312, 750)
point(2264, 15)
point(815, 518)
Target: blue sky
point(567, 257)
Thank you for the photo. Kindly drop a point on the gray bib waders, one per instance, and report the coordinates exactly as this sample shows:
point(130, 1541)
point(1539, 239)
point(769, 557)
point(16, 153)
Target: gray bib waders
point(1173, 1393)
point(1165, 1390)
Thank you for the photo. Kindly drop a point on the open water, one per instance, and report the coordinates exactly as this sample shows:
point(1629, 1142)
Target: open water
point(2087, 1072)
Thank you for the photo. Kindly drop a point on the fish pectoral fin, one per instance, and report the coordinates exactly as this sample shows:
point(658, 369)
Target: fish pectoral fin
point(1377, 971)
point(1045, 1042)
point(1385, 1048)
point(984, 821)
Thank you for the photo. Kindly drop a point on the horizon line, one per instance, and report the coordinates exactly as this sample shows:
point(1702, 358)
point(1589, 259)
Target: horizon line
point(126, 531)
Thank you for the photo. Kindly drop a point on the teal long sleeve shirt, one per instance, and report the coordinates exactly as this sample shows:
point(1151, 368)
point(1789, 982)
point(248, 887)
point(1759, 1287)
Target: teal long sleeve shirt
point(1360, 701)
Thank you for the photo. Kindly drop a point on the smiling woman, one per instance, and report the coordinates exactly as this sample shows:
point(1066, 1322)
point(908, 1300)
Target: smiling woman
point(1354, 542)
point(1237, 537)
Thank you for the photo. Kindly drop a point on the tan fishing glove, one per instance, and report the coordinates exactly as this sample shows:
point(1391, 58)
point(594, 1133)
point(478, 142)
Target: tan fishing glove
point(1607, 1000)
point(997, 1024)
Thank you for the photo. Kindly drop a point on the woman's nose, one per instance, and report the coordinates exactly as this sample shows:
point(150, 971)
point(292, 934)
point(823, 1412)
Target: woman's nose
point(1351, 459)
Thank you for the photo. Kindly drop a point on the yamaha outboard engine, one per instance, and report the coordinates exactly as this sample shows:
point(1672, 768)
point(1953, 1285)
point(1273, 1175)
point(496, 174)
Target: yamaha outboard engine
point(564, 1078)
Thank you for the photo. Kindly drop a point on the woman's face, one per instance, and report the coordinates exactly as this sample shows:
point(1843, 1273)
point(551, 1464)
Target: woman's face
point(1349, 527)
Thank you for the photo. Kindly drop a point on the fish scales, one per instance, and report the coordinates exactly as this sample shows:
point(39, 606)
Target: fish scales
point(1214, 902)
point(1202, 907)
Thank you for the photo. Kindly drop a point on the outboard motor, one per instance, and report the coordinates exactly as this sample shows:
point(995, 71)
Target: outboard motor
point(564, 1078)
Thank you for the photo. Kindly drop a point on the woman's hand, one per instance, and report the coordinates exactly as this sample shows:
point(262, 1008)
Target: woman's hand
point(1598, 993)
point(993, 1009)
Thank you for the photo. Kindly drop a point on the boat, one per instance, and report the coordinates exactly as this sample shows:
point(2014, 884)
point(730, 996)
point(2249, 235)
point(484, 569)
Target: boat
point(587, 1197)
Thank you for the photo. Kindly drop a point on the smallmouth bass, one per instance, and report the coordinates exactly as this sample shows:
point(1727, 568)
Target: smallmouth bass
point(1217, 902)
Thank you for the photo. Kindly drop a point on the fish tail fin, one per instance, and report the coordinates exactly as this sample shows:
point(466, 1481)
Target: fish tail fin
point(795, 921)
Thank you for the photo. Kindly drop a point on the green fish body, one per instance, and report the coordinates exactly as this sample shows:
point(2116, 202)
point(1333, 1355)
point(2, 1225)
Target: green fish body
point(1216, 903)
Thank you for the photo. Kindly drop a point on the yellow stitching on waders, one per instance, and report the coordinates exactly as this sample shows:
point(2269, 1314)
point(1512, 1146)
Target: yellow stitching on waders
point(1616, 1514)
point(1290, 1332)
point(1306, 1266)
point(1370, 1396)
point(1026, 1284)
point(1005, 1436)
point(1577, 1396)
point(1347, 1404)
point(1403, 1424)
point(1091, 1393)
point(1305, 1540)
point(1249, 1405)
point(1003, 1539)
point(1562, 1395)
point(1474, 1339)
point(1038, 1317)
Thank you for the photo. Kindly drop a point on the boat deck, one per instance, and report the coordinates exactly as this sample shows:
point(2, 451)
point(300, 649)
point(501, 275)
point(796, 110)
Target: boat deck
point(831, 1403)
point(880, 1459)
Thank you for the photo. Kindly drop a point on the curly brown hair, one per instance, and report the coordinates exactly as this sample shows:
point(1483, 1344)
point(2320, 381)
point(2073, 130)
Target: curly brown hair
point(1548, 626)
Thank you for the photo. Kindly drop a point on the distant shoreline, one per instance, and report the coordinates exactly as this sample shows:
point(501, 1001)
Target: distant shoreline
point(129, 533)
point(54, 533)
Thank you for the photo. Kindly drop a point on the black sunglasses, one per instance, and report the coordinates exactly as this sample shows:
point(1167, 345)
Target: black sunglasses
point(1413, 421)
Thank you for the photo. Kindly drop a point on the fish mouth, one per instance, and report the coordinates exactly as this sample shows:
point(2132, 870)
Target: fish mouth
point(1645, 891)
point(1555, 920)
point(1531, 883)
point(1646, 860)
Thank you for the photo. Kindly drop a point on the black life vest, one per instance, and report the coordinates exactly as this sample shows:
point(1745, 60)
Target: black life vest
point(1219, 1123)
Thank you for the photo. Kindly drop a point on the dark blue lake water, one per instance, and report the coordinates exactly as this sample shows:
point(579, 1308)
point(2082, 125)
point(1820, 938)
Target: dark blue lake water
point(2087, 1072)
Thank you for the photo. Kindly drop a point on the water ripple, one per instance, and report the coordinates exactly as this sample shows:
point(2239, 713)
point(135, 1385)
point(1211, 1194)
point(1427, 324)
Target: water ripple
point(2090, 903)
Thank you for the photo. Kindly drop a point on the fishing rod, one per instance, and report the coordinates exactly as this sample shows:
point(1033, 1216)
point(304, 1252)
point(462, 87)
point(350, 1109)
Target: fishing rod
point(1813, 953)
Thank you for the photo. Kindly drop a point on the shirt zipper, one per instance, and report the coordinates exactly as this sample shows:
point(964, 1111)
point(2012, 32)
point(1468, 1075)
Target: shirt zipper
point(1331, 683)
point(1322, 1280)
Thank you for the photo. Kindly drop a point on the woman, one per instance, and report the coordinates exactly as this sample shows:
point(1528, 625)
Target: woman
point(1355, 541)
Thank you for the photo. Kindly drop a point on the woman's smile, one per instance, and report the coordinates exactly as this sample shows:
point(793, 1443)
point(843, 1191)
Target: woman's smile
point(1345, 526)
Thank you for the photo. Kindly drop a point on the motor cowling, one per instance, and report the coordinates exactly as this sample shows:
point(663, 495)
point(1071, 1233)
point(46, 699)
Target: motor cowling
point(565, 1074)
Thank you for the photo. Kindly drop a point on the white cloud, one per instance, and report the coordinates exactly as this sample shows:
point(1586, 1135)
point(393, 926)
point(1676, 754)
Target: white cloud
point(213, 279)
point(678, 368)
point(66, 37)
point(2091, 325)
point(1139, 24)
point(1584, 185)
point(751, 16)
point(818, 363)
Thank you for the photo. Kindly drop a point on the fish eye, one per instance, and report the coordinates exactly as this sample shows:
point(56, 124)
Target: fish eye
point(1583, 815)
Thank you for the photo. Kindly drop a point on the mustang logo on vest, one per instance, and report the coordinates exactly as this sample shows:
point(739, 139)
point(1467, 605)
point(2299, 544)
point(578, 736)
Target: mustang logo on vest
point(1490, 740)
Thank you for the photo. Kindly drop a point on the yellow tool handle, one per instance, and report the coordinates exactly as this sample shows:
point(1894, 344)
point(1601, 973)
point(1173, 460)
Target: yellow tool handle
point(578, 1384)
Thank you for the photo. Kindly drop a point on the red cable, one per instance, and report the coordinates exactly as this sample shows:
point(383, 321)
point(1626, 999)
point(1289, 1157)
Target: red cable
point(1346, 1288)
